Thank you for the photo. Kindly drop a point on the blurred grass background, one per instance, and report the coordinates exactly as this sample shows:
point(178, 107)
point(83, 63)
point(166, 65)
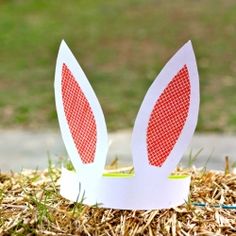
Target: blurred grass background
point(122, 46)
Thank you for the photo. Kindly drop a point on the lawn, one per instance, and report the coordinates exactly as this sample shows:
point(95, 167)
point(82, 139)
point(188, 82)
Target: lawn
point(122, 46)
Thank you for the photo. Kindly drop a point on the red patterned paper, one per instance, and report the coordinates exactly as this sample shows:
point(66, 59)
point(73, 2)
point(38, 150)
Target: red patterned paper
point(168, 118)
point(79, 116)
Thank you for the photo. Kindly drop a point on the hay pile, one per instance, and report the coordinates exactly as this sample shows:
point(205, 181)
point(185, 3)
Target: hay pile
point(30, 205)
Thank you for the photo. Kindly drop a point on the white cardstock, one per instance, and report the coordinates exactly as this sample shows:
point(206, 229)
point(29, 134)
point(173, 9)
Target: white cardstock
point(149, 187)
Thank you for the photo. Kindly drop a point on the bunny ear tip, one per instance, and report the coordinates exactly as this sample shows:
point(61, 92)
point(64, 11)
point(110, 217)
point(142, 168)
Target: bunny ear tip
point(189, 45)
point(187, 49)
point(64, 52)
point(63, 42)
point(63, 45)
point(189, 42)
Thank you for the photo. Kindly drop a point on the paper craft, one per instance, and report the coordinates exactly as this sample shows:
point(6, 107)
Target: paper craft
point(163, 129)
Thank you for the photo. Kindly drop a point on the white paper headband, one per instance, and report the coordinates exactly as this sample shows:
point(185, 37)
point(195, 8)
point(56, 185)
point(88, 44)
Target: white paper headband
point(163, 129)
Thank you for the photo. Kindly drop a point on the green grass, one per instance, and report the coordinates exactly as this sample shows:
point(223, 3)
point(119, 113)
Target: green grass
point(122, 46)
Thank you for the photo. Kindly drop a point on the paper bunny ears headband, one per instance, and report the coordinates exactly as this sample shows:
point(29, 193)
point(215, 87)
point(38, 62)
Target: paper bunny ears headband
point(163, 129)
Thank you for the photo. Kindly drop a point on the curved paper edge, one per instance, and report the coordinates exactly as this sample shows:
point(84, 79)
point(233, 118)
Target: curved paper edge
point(185, 56)
point(125, 193)
point(96, 168)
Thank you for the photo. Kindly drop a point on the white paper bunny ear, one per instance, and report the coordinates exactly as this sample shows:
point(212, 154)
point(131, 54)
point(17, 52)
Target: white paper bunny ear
point(168, 115)
point(162, 131)
point(80, 116)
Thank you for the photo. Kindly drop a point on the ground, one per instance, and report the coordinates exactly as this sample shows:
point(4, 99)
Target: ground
point(30, 204)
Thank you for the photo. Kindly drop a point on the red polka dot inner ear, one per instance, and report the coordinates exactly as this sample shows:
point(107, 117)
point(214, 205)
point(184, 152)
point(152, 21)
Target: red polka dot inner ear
point(79, 116)
point(168, 118)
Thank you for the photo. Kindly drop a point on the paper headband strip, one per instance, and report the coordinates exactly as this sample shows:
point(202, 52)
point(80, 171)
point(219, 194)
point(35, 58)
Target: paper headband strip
point(163, 129)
